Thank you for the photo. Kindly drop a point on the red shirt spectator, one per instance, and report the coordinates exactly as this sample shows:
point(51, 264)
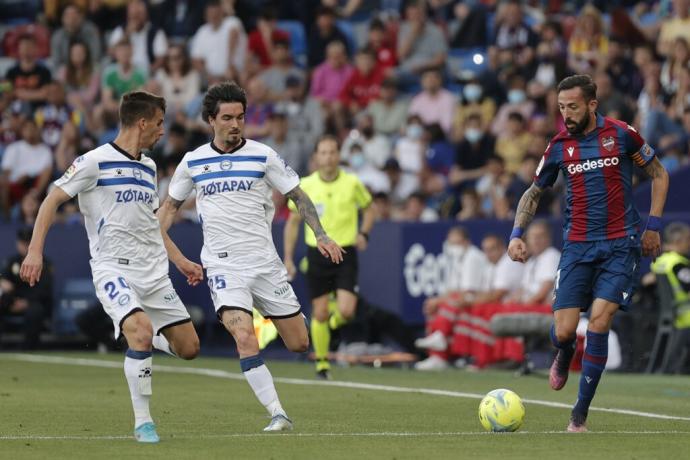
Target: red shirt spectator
point(262, 38)
point(384, 49)
point(364, 83)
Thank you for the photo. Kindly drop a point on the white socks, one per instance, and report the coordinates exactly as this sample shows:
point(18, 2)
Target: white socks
point(161, 343)
point(259, 378)
point(138, 371)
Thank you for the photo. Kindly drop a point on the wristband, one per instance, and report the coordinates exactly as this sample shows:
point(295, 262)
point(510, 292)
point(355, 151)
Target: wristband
point(653, 223)
point(365, 235)
point(517, 233)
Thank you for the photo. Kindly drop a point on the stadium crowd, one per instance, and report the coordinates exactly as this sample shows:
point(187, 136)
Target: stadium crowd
point(443, 107)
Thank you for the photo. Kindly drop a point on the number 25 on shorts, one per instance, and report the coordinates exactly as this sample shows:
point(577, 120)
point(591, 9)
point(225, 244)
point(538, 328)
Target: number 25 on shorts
point(217, 281)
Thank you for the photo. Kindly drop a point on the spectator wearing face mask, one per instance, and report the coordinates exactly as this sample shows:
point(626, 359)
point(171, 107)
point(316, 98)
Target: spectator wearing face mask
point(517, 102)
point(375, 147)
point(464, 280)
point(471, 154)
point(409, 149)
point(473, 101)
point(372, 177)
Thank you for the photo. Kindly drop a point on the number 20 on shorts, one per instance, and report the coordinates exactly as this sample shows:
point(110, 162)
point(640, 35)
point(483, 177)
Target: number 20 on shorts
point(113, 290)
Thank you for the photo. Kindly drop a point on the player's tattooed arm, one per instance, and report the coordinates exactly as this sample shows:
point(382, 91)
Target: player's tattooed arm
point(307, 211)
point(660, 180)
point(527, 206)
point(655, 169)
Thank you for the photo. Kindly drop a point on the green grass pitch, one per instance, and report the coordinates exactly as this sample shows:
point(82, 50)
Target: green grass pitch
point(50, 407)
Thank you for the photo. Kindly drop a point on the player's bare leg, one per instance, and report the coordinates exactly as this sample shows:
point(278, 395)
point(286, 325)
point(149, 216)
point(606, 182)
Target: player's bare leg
point(240, 325)
point(294, 333)
point(321, 335)
point(180, 341)
point(563, 338)
point(593, 360)
point(138, 331)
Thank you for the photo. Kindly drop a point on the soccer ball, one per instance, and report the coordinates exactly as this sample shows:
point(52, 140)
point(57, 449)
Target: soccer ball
point(501, 410)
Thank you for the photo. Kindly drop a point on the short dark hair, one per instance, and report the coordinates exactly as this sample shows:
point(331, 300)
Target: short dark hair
point(584, 82)
point(26, 37)
point(462, 231)
point(516, 116)
point(327, 137)
point(325, 11)
point(219, 94)
point(377, 24)
point(495, 236)
point(139, 104)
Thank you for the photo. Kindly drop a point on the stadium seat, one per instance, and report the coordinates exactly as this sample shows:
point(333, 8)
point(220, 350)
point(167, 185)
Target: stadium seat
point(464, 60)
point(77, 295)
point(663, 348)
point(348, 29)
point(298, 40)
point(10, 41)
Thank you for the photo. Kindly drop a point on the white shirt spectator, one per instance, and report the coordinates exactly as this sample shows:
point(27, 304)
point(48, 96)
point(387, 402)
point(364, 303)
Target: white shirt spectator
point(506, 275)
point(409, 154)
point(466, 268)
point(376, 150)
point(139, 41)
point(372, 178)
point(213, 46)
point(22, 159)
point(539, 269)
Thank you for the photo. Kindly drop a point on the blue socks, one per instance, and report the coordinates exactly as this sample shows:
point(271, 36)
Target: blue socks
point(567, 350)
point(138, 354)
point(593, 363)
point(250, 362)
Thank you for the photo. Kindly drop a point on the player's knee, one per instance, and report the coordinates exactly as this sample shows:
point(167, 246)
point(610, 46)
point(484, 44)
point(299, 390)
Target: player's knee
point(246, 341)
point(300, 345)
point(564, 334)
point(189, 350)
point(139, 332)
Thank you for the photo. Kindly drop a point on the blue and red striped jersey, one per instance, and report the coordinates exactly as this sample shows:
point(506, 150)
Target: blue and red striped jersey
point(598, 170)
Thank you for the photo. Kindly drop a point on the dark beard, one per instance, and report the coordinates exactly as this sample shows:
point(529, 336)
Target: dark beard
point(579, 127)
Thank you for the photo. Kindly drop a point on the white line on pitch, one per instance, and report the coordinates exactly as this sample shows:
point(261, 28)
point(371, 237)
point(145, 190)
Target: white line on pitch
point(338, 384)
point(332, 435)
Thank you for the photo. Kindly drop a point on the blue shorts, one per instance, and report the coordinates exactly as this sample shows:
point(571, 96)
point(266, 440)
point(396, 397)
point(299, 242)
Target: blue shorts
point(607, 269)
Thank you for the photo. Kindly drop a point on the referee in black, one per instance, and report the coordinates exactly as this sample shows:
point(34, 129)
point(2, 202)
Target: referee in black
point(338, 197)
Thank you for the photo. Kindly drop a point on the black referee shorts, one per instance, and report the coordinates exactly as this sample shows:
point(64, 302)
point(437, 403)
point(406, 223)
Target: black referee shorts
point(324, 276)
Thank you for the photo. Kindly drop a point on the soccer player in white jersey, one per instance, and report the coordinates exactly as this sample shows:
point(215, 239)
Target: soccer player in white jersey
point(233, 180)
point(116, 185)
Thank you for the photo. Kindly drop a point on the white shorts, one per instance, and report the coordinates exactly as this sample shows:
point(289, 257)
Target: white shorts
point(266, 289)
point(124, 291)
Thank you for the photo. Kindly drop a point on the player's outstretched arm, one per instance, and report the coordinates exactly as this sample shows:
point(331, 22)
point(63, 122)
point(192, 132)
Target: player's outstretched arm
point(651, 240)
point(32, 266)
point(326, 246)
point(166, 215)
point(289, 241)
point(527, 207)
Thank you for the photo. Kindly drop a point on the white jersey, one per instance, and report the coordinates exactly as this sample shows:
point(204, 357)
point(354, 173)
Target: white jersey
point(233, 199)
point(118, 197)
point(504, 275)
